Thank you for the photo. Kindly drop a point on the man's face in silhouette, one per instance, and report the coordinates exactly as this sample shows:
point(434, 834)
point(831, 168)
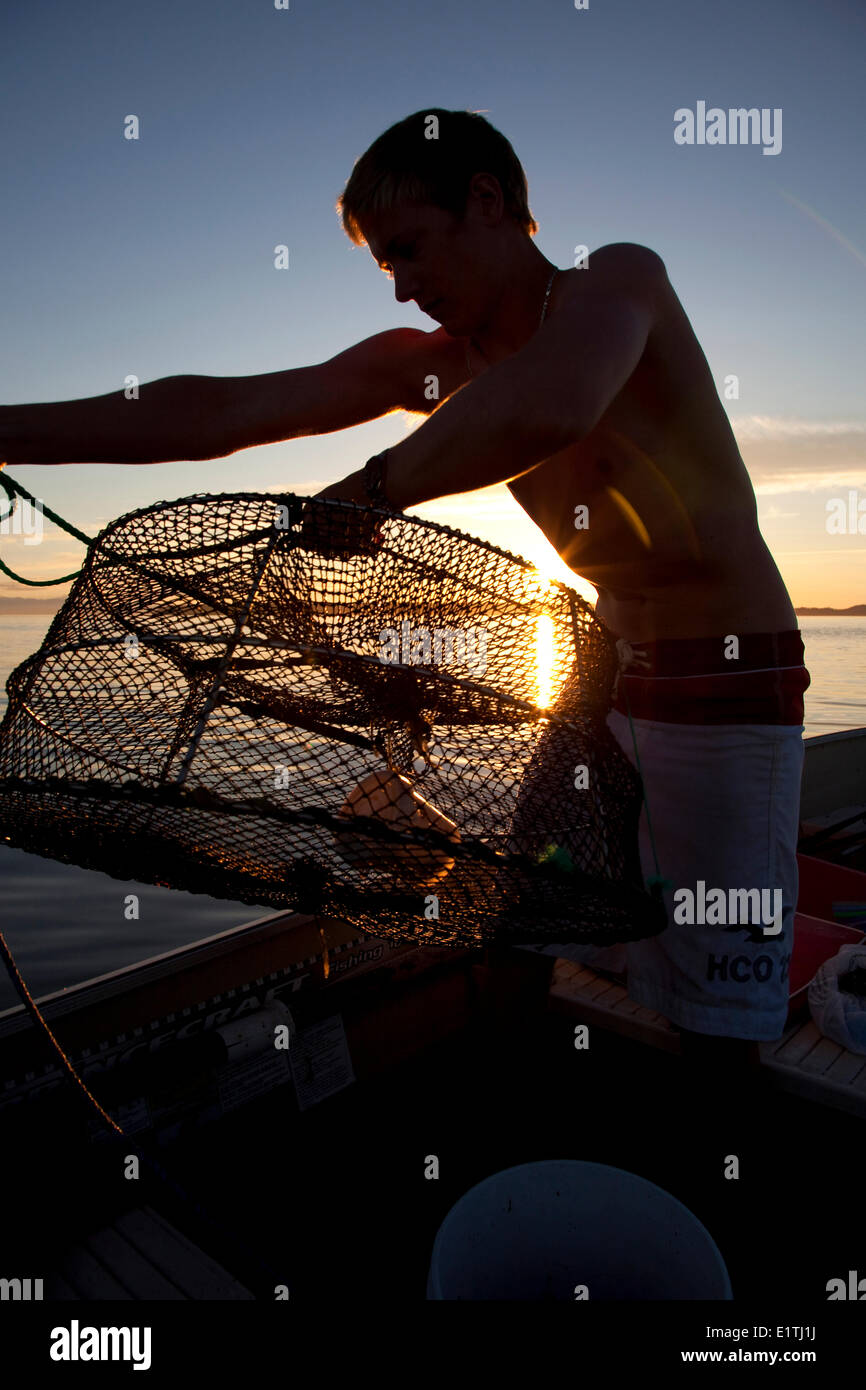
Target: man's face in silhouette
point(433, 259)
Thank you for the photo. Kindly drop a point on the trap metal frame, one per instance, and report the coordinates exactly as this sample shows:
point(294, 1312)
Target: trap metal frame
point(215, 683)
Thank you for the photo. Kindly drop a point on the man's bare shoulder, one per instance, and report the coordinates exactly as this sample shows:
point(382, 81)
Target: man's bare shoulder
point(621, 268)
point(622, 280)
point(630, 254)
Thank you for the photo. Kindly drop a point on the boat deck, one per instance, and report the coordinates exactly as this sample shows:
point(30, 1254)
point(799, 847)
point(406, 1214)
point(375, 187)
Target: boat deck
point(341, 1185)
point(802, 1062)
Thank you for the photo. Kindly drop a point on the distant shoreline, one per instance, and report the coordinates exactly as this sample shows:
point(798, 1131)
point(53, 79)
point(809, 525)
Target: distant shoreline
point(32, 607)
point(857, 611)
point(29, 607)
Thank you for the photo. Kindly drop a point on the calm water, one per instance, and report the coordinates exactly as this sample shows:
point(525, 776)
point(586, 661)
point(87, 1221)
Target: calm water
point(66, 924)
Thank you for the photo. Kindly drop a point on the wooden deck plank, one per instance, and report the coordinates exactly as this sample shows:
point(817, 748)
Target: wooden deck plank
point(615, 998)
point(595, 989)
point(140, 1256)
point(130, 1266)
point(770, 1049)
point(87, 1276)
point(169, 1250)
point(815, 1088)
point(566, 969)
point(653, 1018)
point(608, 998)
point(821, 1057)
point(596, 1011)
point(583, 981)
point(792, 1052)
point(626, 1006)
point(574, 975)
point(847, 1067)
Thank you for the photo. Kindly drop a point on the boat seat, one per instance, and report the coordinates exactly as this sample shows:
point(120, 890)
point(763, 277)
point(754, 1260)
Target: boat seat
point(802, 1062)
point(139, 1255)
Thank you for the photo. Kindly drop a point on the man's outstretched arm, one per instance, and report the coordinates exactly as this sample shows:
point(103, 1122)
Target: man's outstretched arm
point(549, 394)
point(204, 417)
point(177, 417)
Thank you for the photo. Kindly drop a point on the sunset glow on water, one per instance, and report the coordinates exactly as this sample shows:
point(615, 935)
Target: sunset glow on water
point(544, 660)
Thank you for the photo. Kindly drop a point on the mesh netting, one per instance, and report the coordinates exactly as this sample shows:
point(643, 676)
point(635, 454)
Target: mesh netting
point(411, 737)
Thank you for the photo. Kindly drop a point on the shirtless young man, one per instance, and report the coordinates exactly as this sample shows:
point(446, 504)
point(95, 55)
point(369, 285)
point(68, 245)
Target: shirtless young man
point(589, 387)
point(608, 402)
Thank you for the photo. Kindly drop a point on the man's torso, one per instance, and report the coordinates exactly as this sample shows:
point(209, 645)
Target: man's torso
point(671, 540)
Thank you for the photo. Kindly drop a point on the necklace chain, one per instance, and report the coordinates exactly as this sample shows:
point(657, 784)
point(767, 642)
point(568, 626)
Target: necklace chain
point(553, 276)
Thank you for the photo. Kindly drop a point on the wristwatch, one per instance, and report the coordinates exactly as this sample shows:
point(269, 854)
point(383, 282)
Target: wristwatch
point(375, 475)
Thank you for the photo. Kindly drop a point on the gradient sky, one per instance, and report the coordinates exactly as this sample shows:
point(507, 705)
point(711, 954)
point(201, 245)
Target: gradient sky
point(155, 256)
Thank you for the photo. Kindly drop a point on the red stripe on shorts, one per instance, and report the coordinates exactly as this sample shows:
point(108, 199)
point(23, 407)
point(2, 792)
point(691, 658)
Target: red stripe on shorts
point(691, 681)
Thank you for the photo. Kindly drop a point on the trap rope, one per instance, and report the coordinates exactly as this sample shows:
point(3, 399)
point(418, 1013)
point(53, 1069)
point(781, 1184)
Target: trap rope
point(14, 491)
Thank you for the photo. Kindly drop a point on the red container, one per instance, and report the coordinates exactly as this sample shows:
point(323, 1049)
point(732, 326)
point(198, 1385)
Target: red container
point(822, 884)
point(815, 941)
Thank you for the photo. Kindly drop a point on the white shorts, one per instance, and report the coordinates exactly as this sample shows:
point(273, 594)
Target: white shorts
point(724, 801)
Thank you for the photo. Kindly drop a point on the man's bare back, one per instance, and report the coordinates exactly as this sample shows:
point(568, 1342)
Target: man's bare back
point(672, 543)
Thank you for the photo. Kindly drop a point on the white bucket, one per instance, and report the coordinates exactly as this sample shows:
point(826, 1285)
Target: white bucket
point(544, 1230)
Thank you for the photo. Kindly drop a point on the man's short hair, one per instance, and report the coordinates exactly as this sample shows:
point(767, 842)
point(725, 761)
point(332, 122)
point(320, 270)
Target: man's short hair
point(405, 165)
